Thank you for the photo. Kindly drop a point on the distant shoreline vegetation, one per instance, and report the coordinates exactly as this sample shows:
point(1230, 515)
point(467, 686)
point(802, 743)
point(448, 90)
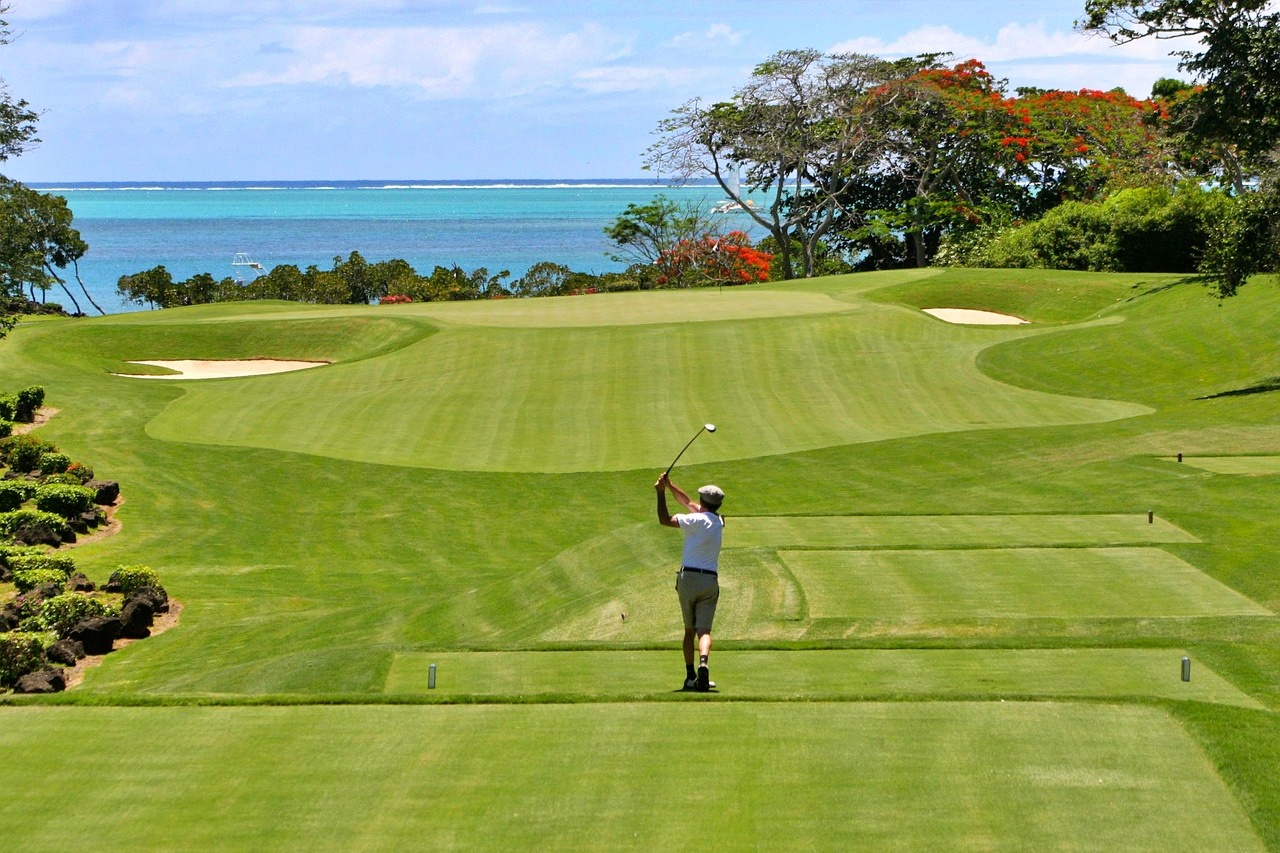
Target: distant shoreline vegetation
point(415, 184)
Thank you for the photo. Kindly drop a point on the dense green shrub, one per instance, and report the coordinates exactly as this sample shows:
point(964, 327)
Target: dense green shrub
point(29, 401)
point(8, 552)
point(63, 612)
point(1141, 229)
point(8, 407)
point(54, 463)
point(80, 471)
point(28, 579)
point(6, 427)
point(11, 522)
point(1246, 241)
point(14, 493)
point(63, 499)
point(21, 652)
point(130, 578)
point(42, 560)
point(22, 452)
point(65, 478)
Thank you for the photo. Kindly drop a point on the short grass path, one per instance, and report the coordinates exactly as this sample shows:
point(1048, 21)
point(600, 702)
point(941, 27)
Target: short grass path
point(1248, 465)
point(643, 776)
point(1015, 583)
point(825, 674)
point(937, 531)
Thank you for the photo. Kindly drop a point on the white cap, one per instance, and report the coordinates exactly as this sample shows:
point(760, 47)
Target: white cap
point(712, 496)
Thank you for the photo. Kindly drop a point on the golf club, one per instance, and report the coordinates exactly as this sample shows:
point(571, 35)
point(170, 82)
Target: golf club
point(705, 428)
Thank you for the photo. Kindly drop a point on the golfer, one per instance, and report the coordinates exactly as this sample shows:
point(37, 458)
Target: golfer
point(698, 581)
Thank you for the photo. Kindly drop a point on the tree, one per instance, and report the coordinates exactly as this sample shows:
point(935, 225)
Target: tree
point(38, 241)
point(153, 287)
point(645, 233)
point(1235, 110)
point(710, 260)
point(545, 279)
point(961, 153)
point(1237, 105)
point(1082, 145)
point(17, 119)
point(19, 264)
point(946, 156)
point(1245, 242)
point(800, 133)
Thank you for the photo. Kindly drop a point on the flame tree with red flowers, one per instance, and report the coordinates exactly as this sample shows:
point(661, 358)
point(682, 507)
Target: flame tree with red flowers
point(801, 133)
point(711, 260)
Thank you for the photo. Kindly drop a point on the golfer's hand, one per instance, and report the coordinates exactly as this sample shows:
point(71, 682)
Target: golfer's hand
point(663, 482)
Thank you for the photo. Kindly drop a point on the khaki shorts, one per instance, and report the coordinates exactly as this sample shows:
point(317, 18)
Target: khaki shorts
point(698, 593)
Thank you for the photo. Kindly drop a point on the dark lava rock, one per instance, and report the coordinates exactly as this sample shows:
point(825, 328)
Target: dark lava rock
point(97, 633)
point(106, 492)
point(79, 582)
point(40, 533)
point(44, 681)
point(135, 619)
point(65, 652)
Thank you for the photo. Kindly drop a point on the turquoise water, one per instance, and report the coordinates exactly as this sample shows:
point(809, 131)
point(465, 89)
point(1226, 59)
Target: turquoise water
point(199, 227)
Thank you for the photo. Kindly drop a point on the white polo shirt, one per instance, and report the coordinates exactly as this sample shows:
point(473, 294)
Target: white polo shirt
point(703, 533)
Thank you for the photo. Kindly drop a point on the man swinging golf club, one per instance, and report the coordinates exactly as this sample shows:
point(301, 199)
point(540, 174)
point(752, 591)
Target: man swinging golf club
point(697, 582)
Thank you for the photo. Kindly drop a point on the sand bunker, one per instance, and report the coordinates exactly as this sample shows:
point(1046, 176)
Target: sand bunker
point(196, 369)
point(971, 317)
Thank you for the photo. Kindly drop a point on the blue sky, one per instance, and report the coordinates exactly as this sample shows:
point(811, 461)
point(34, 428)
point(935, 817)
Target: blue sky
point(432, 89)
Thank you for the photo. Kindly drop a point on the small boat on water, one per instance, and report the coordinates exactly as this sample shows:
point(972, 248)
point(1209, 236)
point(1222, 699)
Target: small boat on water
point(731, 206)
point(242, 259)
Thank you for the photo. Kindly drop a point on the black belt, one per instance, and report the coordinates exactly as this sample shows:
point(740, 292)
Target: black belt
point(700, 571)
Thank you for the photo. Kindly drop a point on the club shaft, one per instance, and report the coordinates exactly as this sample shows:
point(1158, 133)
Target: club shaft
point(683, 449)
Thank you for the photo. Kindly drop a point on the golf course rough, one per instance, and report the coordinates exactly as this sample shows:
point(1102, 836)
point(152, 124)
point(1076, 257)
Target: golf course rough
point(961, 572)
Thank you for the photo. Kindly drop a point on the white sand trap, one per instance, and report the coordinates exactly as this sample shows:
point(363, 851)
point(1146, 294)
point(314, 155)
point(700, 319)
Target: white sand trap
point(197, 369)
point(972, 317)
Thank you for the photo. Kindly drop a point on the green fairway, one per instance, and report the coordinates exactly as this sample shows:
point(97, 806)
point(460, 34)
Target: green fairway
point(1154, 673)
point(952, 530)
point(1011, 582)
point(961, 571)
point(1254, 466)
point(831, 776)
point(581, 396)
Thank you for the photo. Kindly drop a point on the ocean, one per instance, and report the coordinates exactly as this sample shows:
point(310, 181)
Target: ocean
point(200, 227)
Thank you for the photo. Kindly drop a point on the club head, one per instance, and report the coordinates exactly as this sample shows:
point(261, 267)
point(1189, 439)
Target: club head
point(710, 427)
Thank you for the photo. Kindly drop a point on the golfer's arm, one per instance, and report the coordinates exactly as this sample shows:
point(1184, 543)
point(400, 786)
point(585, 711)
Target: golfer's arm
point(664, 517)
point(682, 498)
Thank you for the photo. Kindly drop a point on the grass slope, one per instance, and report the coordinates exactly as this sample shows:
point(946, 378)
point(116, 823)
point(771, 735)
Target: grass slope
point(477, 478)
point(863, 776)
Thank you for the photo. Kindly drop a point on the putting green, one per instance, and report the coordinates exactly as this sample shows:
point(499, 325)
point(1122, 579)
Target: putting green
point(850, 674)
point(864, 776)
point(1010, 583)
point(903, 531)
point(1247, 465)
point(627, 396)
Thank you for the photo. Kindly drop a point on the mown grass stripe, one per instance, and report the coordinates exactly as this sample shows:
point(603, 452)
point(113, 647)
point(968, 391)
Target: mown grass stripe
point(857, 674)
point(887, 531)
point(864, 776)
point(1016, 583)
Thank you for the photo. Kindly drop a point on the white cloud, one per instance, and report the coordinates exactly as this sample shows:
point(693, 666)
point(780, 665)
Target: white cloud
point(1031, 55)
point(1012, 42)
point(717, 34)
point(436, 62)
point(612, 79)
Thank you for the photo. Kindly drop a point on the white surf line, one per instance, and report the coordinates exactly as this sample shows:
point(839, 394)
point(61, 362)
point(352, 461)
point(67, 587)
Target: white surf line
point(973, 317)
point(227, 369)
